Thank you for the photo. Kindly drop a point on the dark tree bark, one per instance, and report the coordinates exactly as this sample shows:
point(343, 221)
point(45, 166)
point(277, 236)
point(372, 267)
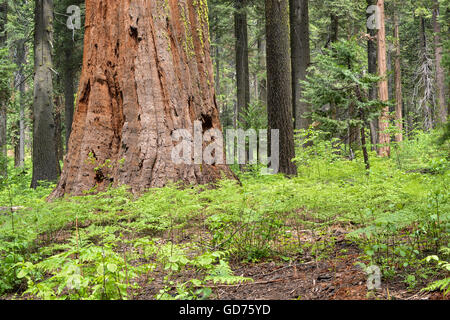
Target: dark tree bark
point(301, 58)
point(45, 163)
point(279, 81)
point(334, 28)
point(442, 112)
point(262, 83)
point(147, 71)
point(21, 54)
point(3, 96)
point(242, 67)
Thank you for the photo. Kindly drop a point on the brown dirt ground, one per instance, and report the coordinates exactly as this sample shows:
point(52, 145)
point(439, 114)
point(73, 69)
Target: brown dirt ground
point(337, 278)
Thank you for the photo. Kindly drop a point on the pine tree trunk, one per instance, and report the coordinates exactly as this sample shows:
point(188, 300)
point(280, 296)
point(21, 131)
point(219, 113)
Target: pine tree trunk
point(426, 102)
point(334, 33)
point(383, 94)
point(147, 72)
point(334, 28)
point(398, 82)
point(262, 83)
point(3, 96)
point(45, 164)
point(442, 113)
point(301, 58)
point(242, 67)
point(21, 54)
point(279, 81)
point(372, 68)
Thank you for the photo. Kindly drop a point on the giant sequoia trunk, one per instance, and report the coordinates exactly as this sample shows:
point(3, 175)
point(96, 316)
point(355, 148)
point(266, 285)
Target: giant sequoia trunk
point(146, 72)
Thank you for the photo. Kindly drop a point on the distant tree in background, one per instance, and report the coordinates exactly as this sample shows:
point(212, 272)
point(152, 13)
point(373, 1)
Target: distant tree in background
point(279, 81)
point(45, 162)
point(300, 52)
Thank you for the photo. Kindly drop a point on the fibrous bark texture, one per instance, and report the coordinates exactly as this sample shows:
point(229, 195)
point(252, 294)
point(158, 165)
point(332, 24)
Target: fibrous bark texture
point(301, 58)
point(45, 163)
point(279, 81)
point(146, 72)
point(242, 66)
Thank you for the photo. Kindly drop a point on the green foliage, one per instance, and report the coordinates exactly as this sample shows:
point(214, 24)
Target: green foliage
point(336, 89)
point(6, 71)
point(444, 284)
point(113, 243)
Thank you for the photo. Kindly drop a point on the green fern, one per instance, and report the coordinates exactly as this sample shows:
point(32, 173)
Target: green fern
point(222, 274)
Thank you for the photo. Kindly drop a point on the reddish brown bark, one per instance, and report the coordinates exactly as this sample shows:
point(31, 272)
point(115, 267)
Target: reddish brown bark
point(146, 72)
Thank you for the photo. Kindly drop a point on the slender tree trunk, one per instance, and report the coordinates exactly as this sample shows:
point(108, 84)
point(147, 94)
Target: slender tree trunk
point(334, 28)
point(398, 82)
point(45, 164)
point(372, 69)
point(262, 85)
point(426, 102)
point(300, 60)
point(279, 93)
point(3, 96)
point(442, 113)
point(334, 31)
point(20, 84)
point(389, 71)
point(242, 67)
point(383, 94)
point(147, 73)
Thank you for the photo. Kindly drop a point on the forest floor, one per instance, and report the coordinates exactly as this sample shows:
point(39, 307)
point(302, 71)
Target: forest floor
point(338, 277)
point(312, 237)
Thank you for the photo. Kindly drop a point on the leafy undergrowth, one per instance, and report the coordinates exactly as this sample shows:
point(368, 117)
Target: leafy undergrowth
point(186, 244)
